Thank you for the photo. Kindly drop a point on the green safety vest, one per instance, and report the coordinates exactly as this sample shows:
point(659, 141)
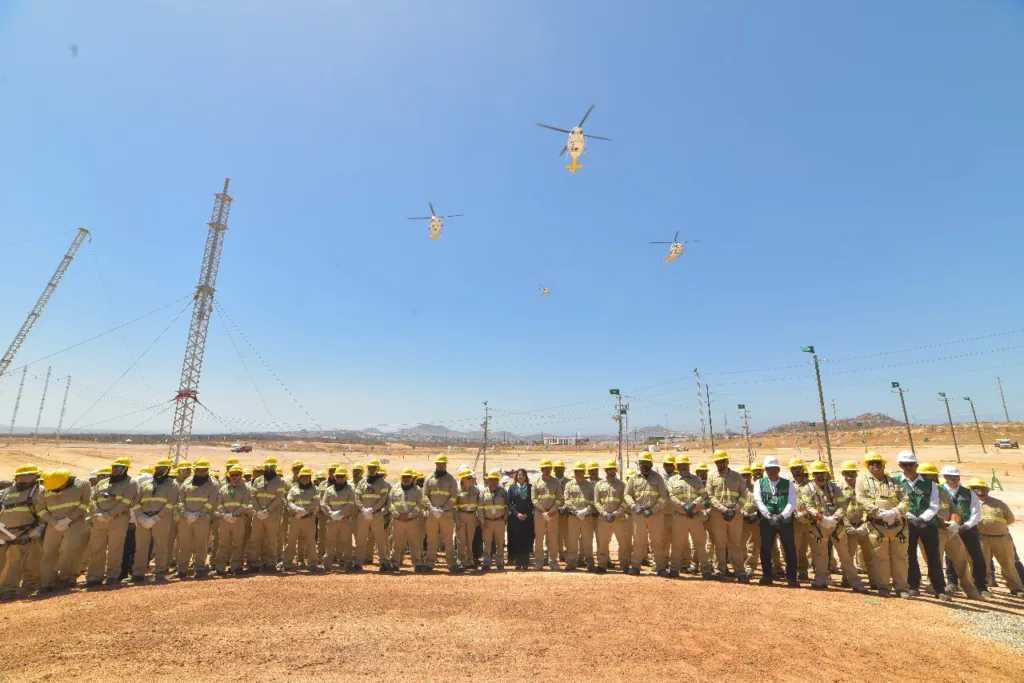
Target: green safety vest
point(920, 495)
point(778, 501)
point(961, 501)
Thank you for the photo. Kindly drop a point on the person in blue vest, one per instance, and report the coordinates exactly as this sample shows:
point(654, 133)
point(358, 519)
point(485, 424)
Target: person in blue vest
point(776, 500)
point(923, 523)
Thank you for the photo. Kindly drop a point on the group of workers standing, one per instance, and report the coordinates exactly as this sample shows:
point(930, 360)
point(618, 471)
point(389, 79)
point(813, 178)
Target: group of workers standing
point(54, 527)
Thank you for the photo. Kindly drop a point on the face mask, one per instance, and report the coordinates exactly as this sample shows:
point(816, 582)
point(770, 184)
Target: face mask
point(269, 475)
point(23, 485)
point(199, 480)
point(439, 471)
point(340, 484)
point(406, 487)
point(114, 478)
point(305, 486)
point(373, 478)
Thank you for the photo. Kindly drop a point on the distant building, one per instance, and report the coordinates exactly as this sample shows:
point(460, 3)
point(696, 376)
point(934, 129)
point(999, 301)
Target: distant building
point(565, 440)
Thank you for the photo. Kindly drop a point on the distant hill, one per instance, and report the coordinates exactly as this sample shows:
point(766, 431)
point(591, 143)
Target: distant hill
point(866, 420)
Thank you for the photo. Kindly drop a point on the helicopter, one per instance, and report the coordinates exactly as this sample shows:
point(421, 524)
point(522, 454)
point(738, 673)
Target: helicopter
point(436, 226)
point(544, 291)
point(676, 249)
point(577, 143)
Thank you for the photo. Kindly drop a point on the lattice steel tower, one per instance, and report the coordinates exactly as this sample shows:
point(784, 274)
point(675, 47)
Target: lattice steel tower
point(188, 391)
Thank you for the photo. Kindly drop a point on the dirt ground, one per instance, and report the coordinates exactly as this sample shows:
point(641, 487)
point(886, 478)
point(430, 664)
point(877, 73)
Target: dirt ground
point(579, 627)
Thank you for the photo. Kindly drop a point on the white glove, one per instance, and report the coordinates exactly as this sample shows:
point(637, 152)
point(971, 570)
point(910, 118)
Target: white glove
point(336, 516)
point(101, 518)
point(36, 533)
point(62, 524)
point(888, 516)
point(367, 513)
point(828, 523)
point(143, 521)
point(154, 519)
point(911, 519)
point(192, 517)
point(299, 512)
point(436, 513)
point(583, 514)
point(231, 519)
point(953, 528)
point(262, 514)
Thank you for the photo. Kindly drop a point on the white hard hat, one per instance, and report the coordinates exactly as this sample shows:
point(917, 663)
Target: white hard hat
point(950, 471)
point(94, 473)
point(906, 457)
point(770, 461)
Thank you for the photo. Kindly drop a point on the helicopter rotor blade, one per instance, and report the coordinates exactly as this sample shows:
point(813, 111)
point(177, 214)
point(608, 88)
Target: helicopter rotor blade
point(454, 215)
point(659, 242)
point(690, 241)
point(586, 115)
point(598, 137)
point(564, 150)
point(431, 205)
point(676, 238)
point(419, 218)
point(560, 130)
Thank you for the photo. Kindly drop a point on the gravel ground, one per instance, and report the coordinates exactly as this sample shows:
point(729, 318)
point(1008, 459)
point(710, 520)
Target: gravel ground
point(579, 627)
point(1001, 622)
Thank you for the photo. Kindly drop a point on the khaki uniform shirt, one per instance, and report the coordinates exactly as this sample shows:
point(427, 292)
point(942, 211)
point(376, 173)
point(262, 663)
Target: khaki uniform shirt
point(609, 496)
point(71, 502)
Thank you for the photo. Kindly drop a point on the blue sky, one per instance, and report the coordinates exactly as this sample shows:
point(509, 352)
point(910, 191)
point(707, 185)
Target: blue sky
point(853, 172)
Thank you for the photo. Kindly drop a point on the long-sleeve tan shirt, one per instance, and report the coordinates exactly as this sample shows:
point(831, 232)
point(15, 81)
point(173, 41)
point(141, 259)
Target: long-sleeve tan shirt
point(115, 499)
point(493, 505)
point(996, 517)
point(725, 492)
point(268, 495)
point(647, 493)
point(71, 502)
point(579, 497)
point(547, 494)
point(609, 497)
point(154, 498)
point(875, 495)
point(342, 500)
point(441, 491)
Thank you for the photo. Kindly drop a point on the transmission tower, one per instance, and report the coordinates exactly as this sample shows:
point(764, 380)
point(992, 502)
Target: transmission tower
point(700, 408)
point(188, 391)
point(42, 404)
point(44, 298)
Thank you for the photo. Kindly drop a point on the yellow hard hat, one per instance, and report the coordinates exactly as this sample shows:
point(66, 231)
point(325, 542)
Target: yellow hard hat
point(593, 465)
point(246, 472)
point(611, 465)
point(358, 468)
point(682, 460)
point(122, 462)
point(465, 472)
point(341, 472)
point(977, 483)
point(848, 466)
point(322, 474)
point(580, 466)
point(545, 463)
point(873, 457)
point(148, 469)
point(720, 455)
point(306, 471)
point(374, 462)
point(333, 466)
point(257, 468)
point(104, 470)
point(756, 467)
point(236, 468)
point(298, 464)
point(668, 459)
point(202, 463)
point(55, 479)
point(231, 461)
point(701, 467)
point(927, 468)
point(270, 460)
point(185, 465)
point(795, 462)
point(493, 474)
point(746, 470)
point(818, 467)
point(173, 472)
point(441, 457)
point(164, 462)
point(27, 468)
point(382, 472)
point(408, 472)
point(645, 456)
point(559, 463)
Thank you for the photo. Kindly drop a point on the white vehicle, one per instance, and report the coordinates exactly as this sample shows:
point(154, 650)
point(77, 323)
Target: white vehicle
point(436, 225)
point(577, 142)
point(1006, 443)
point(235, 448)
point(676, 249)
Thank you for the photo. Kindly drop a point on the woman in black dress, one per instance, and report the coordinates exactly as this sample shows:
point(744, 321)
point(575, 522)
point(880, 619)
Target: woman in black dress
point(520, 521)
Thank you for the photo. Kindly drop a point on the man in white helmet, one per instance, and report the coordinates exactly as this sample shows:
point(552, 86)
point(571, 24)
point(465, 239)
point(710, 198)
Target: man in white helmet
point(923, 524)
point(960, 539)
point(776, 500)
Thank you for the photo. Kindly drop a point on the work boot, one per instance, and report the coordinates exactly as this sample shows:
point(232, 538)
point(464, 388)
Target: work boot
point(945, 598)
point(600, 570)
point(181, 576)
point(793, 584)
point(112, 582)
point(707, 576)
point(45, 590)
point(861, 589)
point(457, 570)
point(634, 571)
point(884, 593)
point(906, 595)
point(819, 587)
point(663, 573)
point(570, 567)
point(802, 575)
point(743, 578)
point(844, 583)
point(766, 581)
point(384, 569)
point(222, 572)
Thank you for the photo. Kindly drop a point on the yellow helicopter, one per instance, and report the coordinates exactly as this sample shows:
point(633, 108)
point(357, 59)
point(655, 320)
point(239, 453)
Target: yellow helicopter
point(436, 226)
point(577, 143)
point(676, 250)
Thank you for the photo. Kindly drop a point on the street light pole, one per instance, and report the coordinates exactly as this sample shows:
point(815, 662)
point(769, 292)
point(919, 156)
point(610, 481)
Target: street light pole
point(978, 426)
point(952, 431)
point(821, 402)
point(910, 435)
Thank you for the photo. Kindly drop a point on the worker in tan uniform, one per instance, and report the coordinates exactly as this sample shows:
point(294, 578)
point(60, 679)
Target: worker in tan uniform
point(250, 477)
point(962, 539)
point(268, 494)
point(855, 522)
point(371, 499)
point(558, 471)
point(321, 518)
point(646, 495)
point(578, 499)
point(611, 519)
point(725, 489)
point(234, 506)
point(751, 538)
point(197, 501)
point(546, 495)
point(286, 517)
point(466, 519)
point(801, 524)
point(338, 504)
point(19, 513)
point(441, 491)
point(826, 507)
point(668, 466)
point(686, 493)
point(492, 511)
point(885, 503)
point(64, 504)
point(112, 501)
point(154, 516)
point(701, 470)
point(994, 527)
point(594, 477)
point(407, 506)
point(302, 504)
point(182, 474)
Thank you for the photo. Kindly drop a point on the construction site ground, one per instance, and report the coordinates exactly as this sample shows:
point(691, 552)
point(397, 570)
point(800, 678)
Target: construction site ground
point(301, 627)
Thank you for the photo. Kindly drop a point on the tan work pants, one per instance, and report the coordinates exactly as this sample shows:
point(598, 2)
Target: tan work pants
point(621, 528)
point(862, 542)
point(683, 530)
point(545, 529)
point(751, 541)
point(60, 552)
point(441, 529)
point(374, 525)
point(14, 559)
point(890, 557)
point(649, 529)
point(728, 542)
point(493, 531)
point(263, 541)
point(581, 531)
point(106, 548)
point(820, 561)
point(160, 535)
point(563, 536)
point(339, 542)
point(232, 541)
point(193, 540)
point(301, 541)
point(403, 533)
point(465, 528)
point(669, 540)
point(1001, 548)
point(951, 544)
point(802, 541)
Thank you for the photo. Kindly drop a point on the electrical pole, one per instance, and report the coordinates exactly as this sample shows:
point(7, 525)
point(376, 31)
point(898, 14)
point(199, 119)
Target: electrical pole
point(39, 418)
point(619, 412)
point(1003, 398)
point(700, 407)
point(63, 408)
point(725, 416)
point(17, 402)
point(487, 419)
point(835, 420)
point(711, 424)
point(821, 401)
point(746, 433)
point(978, 426)
point(897, 389)
point(952, 431)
